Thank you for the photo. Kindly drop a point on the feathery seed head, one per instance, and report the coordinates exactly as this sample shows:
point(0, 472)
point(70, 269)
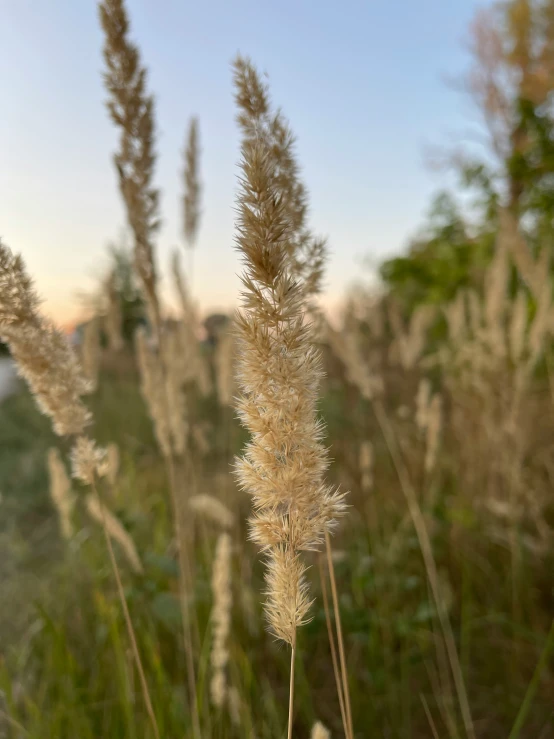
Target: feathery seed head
point(366, 465)
point(60, 492)
point(113, 319)
point(153, 390)
point(112, 460)
point(319, 731)
point(213, 509)
point(90, 352)
point(131, 109)
point(191, 199)
point(279, 372)
point(221, 619)
point(115, 529)
point(43, 355)
point(88, 460)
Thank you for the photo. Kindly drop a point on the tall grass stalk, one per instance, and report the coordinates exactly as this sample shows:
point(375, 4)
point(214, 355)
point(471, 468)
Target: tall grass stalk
point(127, 616)
point(430, 565)
point(533, 685)
point(56, 379)
point(336, 669)
point(342, 656)
point(284, 464)
point(125, 80)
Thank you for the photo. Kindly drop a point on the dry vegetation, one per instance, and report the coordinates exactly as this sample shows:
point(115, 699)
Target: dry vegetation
point(431, 613)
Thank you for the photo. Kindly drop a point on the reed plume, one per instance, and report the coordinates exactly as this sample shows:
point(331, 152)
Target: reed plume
point(305, 253)
point(212, 509)
point(176, 402)
point(112, 463)
point(113, 319)
point(61, 493)
point(423, 400)
point(43, 355)
point(518, 327)
point(235, 706)
point(88, 461)
point(191, 173)
point(221, 620)
point(132, 110)
point(98, 511)
point(90, 352)
point(224, 367)
point(162, 383)
point(279, 372)
point(153, 390)
point(319, 731)
point(194, 366)
point(366, 465)
point(46, 360)
point(411, 342)
point(344, 345)
point(434, 426)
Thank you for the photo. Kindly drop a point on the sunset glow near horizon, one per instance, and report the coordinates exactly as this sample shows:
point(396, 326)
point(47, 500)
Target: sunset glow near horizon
point(361, 84)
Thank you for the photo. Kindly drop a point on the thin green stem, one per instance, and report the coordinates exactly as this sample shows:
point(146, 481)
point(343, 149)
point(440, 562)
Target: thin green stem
point(533, 685)
point(291, 688)
point(127, 616)
point(342, 657)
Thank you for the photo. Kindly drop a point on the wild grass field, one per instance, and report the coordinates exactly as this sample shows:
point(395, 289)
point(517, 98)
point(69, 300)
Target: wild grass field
point(270, 524)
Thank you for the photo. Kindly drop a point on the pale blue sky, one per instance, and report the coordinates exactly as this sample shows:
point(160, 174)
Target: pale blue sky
point(362, 84)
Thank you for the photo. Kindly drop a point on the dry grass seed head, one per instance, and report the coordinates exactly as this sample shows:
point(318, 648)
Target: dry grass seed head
point(88, 460)
point(221, 619)
point(153, 390)
point(113, 320)
point(191, 173)
point(279, 372)
point(319, 731)
point(43, 355)
point(61, 493)
point(115, 530)
point(132, 110)
point(212, 509)
point(90, 352)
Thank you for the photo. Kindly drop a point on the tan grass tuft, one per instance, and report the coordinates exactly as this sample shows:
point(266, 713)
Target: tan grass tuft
point(235, 706)
point(113, 319)
point(305, 253)
point(61, 493)
point(113, 462)
point(153, 390)
point(366, 465)
point(224, 367)
point(43, 355)
point(319, 731)
point(90, 352)
point(193, 366)
point(115, 530)
point(212, 509)
point(132, 110)
point(279, 372)
point(88, 460)
point(191, 199)
point(221, 620)
point(434, 427)
point(423, 400)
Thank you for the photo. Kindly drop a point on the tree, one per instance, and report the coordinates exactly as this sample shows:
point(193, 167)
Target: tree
point(511, 81)
point(448, 253)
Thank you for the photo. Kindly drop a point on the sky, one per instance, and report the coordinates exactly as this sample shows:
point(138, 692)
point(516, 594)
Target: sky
point(363, 84)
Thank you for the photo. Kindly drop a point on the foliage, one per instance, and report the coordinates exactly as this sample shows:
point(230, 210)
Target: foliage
point(449, 254)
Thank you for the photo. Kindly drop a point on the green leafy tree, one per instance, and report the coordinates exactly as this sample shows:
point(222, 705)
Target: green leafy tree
point(511, 80)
